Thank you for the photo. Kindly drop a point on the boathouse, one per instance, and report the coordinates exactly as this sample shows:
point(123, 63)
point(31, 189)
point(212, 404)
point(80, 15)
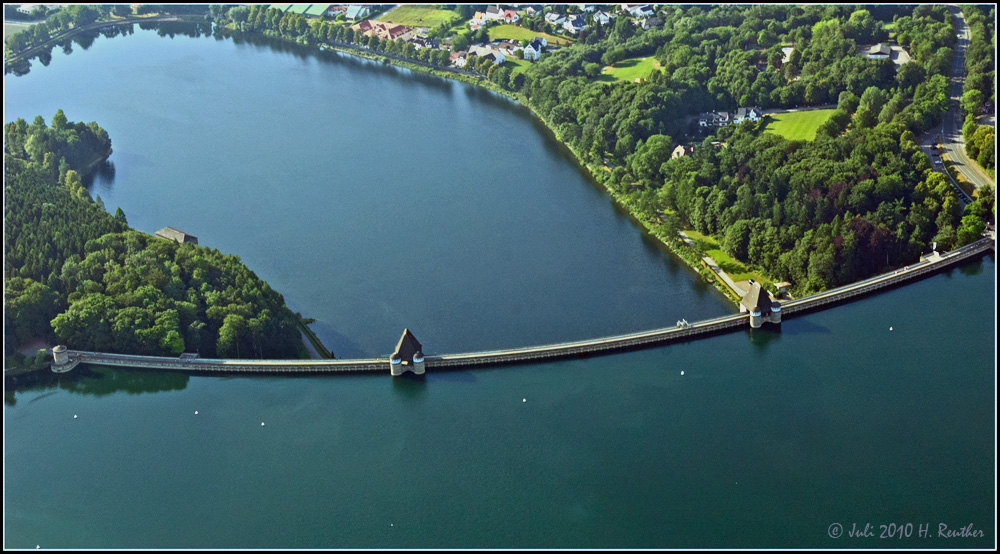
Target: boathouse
point(180, 237)
point(761, 306)
point(408, 356)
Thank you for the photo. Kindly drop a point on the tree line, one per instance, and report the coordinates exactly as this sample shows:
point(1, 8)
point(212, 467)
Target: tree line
point(980, 75)
point(75, 274)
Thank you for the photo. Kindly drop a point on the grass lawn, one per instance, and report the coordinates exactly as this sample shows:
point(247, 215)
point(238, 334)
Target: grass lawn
point(513, 32)
point(797, 125)
point(632, 69)
point(516, 65)
point(13, 28)
point(736, 270)
point(419, 16)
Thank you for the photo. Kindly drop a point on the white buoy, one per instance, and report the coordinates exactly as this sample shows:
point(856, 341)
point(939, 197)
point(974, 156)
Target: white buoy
point(682, 373)
point(261, 423)
point(74, 416)
point(524, 400)
point(890, 328)
point(196, 412)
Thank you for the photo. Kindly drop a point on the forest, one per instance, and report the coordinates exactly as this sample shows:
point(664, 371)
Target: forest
point(76, 275)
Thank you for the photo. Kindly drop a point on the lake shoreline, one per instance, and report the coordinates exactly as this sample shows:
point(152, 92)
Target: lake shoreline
point(658, 230)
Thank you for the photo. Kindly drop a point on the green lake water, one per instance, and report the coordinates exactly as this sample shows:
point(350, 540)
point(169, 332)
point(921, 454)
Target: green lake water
point(375, 199)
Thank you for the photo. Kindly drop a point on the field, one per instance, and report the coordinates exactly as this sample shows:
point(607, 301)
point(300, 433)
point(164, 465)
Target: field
point(513, 32)
point(419, 16)
point(736, 270)
point(10, 28)
point(516, 65)
point(630, 70)
point(797, 125)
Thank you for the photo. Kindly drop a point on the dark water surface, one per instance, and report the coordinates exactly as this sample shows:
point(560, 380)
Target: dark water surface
point(375, 199)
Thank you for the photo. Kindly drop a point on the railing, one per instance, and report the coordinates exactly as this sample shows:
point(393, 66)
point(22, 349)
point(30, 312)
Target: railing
point(545, 351)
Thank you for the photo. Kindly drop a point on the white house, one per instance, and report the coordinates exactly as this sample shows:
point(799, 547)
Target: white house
point(533, 50)
point(752, 114)
point(574, 24)
point(640, 11)
point(493, 13)
point(554, 18)
point(602, 18)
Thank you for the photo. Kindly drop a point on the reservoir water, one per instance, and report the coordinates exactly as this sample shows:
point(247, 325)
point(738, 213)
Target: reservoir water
point(377, 199)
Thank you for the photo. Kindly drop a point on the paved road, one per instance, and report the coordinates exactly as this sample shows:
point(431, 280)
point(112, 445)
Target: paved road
point(950, 131)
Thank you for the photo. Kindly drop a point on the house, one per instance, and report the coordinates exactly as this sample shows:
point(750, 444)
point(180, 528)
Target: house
point(356, 11)
point(28, 8)
point(651, 23)
point(457, 59)
point(533, 50)
point(510, 16)
point(493, 13)
point(488, 52)
point(602, 17)
point(365, 27)
point(744, 114)
point(878, 51)
point(477, 21)
point(761, 306)
point(640, 10)
point(383, 30)
point(530, 10)
point(678, 152)
point(554, 18)
point(336, 9)
point(574, 24)
point(508, 48)
point(180, 237)
point(713, 119)
point(424, 42)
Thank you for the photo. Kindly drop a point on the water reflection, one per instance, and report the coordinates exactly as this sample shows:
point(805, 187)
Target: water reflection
point(95, 380)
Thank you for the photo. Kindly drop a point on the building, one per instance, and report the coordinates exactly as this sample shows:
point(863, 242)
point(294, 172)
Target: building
point(678, 152)
point(356, 11)
point(493, 13)
point(713, 119)
point(408, 356)
point(180, 237)
point(488, 52)
point(457, 59)
point(761, 306)
point(748, 114)
point(510, 16)
point(554, 18)
point(383, 30)
point(786, 53)
point(336, 9)
point(424, 42)
point(533, 50)
point(316, 11)
point(603, 17)
point(574, 24)
point(28, 8)
point(878, 51)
